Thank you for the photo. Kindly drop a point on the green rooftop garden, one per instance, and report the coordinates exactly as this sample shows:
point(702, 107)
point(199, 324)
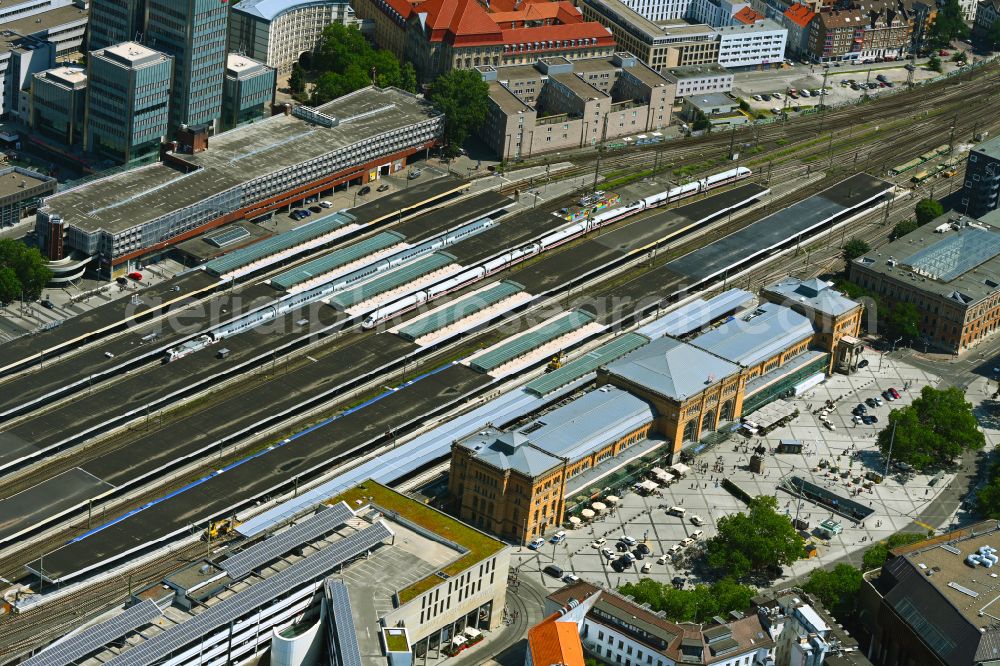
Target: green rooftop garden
point(395, 640)
point(478, 544)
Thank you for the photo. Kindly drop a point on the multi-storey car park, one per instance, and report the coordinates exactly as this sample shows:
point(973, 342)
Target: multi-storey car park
point(244, 174)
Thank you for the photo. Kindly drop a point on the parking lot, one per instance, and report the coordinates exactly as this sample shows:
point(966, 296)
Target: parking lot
point(897, 501)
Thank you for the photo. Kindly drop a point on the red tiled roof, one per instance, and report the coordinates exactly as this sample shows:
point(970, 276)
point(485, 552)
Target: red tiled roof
point(800, 15)
point(748, 15)
point(402, 7)
point(562, 12)
point(552, 642)
point(450, 19)
point(551, 33)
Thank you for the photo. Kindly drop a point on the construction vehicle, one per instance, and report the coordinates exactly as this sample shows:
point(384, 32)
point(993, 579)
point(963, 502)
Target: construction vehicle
point(220, 528)
point(555, 363)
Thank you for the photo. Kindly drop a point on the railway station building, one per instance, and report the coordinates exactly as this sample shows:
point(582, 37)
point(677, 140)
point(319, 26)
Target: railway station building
point(130, 218)
point(364, 573)
point(645, 408)
point(557, 103)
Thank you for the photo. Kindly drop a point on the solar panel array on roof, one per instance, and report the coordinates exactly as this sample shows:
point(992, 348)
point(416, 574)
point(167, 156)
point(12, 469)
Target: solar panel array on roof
point(325, 521)
point(957, 253)
point(334, 260)
point(390, 281)
point(528, 342)
point(95, 638)
point(460, 309)
point(345, 636)
point(228, 237)
point(587, 363)
point(318, 565)
point(275, 244)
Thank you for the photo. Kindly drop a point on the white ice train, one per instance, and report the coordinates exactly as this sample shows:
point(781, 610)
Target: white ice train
point(549, 241)
point(336, 285)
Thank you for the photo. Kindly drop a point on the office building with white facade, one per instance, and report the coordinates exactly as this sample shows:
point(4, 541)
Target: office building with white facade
point(278, 32)
point(760, 44)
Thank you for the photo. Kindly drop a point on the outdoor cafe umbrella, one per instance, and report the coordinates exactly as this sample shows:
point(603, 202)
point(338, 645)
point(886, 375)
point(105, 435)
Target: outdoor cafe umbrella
point(599, 506)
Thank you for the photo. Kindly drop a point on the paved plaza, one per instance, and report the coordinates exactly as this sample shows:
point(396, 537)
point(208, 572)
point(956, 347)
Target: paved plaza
point(897, 501)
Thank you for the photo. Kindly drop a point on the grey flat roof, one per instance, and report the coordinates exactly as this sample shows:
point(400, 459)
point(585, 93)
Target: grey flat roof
point(709, 100)
point(43, 21)
point(758, 336)
point(233, 158)
point(990, 148)
point(578, 86)
point(11, 179)
point(815, 293)
point(506, 100)
point(672, 368)
point(698, 71)
point(979, 279)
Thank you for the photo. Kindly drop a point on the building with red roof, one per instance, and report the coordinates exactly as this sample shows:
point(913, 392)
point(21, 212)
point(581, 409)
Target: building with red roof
point(440, 35)
point(748, 16)
point(797, 20)
point(554, 642)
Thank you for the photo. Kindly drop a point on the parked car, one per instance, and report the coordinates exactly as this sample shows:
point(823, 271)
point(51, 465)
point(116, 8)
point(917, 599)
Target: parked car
point(805, 93)
point(305, 212)
point(662, 559)
point(638, 554)
point(629, 541)
point(776, 95)
point(674, 549)
point(776, 111)
point(621, 547)
point(878, 401)
point(894, 392)
point(47, 304)
point(676, 511)
point(758, 98)
point(943, 53)
point(869, 420)
point(325, 204)
point(686, 541)
point(554, 571)
point(857, 419)
point(642, 548)
point(646, 567)
point(316, 209)
point(608, 553)
point(766, 97)
point(413, 174)
point(597, 543)
point(365, 190)
point(536, 543)
point(558, 537)
point(135, 275)
point(697, 520)
point(617, 566)
point(382, 188)
point(871, 402)
point(887, 395)
point(793, 95)
point(571, 578)
point(829, 426)
point(697, 534)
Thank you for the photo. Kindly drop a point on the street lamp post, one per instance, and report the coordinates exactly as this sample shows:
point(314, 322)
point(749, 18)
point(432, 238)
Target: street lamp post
point(888, 458)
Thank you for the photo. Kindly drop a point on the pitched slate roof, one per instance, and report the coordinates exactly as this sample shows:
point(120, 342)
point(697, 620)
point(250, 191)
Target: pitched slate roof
point(672, 368)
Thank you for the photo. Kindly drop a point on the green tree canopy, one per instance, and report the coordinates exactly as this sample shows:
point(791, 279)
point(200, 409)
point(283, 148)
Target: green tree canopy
point(296, 80)
point(948, 25)
point(903, 321)
point(927, 210)
point(346, 62)
point(758, 541)
point(837, 590)
point(903, 228)
point(934, 63)
point(855, 248)
point(875, 556)
point(696, 605)
point(934, 430)
point(993, 35)
point(462, 96)
point(22, 270)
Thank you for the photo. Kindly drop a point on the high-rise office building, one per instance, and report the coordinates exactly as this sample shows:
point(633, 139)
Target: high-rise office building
point(194, 32)
point(114, 22)
point(981, 190)
point(248, 90)
point(127, 101)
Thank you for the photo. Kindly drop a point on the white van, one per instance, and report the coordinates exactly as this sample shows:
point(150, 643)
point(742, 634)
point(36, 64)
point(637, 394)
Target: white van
point(558, 537)
point(676, 511)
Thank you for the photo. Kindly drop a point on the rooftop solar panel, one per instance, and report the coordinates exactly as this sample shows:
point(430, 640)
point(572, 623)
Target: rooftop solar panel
point(220, 614)
point(259, 554)
point(345, 633)
point(228, 237)
point(93, 639)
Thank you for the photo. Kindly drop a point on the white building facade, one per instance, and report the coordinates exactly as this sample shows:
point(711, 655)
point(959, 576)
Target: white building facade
point(278, 32)
point(759, 44)
point(660, 10)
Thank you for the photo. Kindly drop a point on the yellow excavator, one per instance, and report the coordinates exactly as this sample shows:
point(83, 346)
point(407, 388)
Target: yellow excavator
point(220, 528)
point(555, 363)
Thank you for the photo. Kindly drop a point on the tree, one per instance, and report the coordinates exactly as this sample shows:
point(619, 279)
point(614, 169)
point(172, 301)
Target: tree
point(936, 428)
point(29, 269)
point(408, 77)
point(701, 122)
point(754, 542)
point(462, 96)
point(837, 590)
point(903, 321)
point(948, 25)
point(875, 556)
point(10, 286)
point(927, 210)
point(903, 228)
point(855, 248)
point(993, 35)
point(346, 62)
point(934, 63)
point(296, 80)
point(695, 605)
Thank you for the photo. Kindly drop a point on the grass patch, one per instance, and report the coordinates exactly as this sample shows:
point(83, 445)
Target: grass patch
point(395, 640)
point(480, 546)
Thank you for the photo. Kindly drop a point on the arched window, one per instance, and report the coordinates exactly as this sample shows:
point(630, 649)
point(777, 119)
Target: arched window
point(689, 430)
point(708, 421)
point(727, 411)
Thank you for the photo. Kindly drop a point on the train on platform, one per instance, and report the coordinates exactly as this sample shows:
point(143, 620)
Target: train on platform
point(549, 241)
